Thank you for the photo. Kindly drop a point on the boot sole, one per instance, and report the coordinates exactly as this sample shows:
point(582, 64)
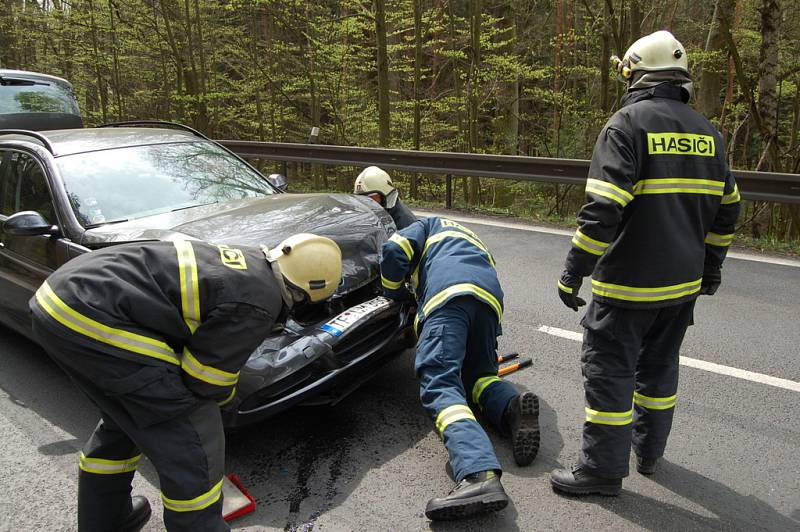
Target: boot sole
point(606, 491)
point(468, 507)
point(527, 439)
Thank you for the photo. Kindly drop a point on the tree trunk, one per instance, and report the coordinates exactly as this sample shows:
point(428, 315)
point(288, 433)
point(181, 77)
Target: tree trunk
point(768, 81)
point(474, 84)
point(384, 129)
point(417, 82)
point(712, 75)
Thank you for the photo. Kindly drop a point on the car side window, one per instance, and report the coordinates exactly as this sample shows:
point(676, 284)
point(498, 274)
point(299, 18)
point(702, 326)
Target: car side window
point(25, 186)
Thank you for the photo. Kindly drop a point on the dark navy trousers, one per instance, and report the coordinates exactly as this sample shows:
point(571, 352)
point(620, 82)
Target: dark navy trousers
point(456, 364)
point(630, 369)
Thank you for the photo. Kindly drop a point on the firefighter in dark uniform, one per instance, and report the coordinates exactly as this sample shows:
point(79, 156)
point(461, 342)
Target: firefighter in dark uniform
point(460, 305)
point(660, 216)
point(155, 334)
point(377, 184)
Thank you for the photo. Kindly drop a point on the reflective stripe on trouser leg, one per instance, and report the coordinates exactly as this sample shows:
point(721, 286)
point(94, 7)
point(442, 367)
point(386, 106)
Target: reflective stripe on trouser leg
point(479, 372)
point(611, 346)
point(106, 468)
point(440, 356)
point(657, 380)
point(190, 464)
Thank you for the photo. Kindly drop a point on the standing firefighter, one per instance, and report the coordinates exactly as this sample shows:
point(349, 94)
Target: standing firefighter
point(155, 334)
point(377, 184)
point(660, 216)
point(460, 305)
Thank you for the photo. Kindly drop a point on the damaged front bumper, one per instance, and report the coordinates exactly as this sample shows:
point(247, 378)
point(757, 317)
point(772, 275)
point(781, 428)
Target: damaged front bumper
point(319, 364)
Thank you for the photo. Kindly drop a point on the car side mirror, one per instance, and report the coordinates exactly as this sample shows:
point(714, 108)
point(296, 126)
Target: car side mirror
point(28, 223)
point(278, 181)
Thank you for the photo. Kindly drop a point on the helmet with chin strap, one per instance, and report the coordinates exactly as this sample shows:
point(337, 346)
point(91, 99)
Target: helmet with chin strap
point(309, 263)
point(375, 181)
point(657, 52)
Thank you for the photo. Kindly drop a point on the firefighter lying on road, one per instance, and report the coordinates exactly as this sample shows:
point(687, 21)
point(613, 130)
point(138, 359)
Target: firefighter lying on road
point(155, 334)
point(459, 307)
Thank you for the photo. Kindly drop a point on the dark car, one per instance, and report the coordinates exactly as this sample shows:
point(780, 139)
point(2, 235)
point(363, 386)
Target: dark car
point(66, 192)
point(38, 102)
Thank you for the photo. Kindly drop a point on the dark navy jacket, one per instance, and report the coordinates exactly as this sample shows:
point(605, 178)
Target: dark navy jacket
point(662, 203)
point(197, 308)
point(442, 260)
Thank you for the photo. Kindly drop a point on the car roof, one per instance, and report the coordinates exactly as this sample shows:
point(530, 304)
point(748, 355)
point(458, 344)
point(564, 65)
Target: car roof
point(72, 141)
point(34, 76)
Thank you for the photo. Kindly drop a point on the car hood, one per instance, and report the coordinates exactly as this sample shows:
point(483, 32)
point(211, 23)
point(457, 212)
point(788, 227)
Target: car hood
point(357, 224)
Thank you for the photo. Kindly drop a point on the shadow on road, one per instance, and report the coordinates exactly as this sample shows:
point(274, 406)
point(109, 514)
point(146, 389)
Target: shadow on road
point(724, 508)
point(308, 461)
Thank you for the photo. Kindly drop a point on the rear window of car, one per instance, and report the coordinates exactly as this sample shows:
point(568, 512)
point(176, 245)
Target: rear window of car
point(134, 182)
point(19, 96)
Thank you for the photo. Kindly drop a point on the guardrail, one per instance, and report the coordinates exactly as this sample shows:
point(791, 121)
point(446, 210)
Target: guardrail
point(761, 186)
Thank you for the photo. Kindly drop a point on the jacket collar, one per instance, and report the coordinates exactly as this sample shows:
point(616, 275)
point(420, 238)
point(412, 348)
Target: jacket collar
point(664, 90)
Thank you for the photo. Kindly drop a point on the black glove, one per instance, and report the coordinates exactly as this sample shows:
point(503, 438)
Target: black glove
point(568, 287)
point(712, 278)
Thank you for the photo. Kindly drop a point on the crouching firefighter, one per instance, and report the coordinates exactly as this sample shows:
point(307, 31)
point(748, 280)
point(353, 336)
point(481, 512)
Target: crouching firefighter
point(459, 308)
point(377, 184)
point(155, 334)
point(660, 216)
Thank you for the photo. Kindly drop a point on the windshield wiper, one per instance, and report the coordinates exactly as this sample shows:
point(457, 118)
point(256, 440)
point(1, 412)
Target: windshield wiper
point(193, 206)
point(92, 226)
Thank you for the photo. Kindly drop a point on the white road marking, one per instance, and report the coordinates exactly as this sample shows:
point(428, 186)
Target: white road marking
point(698, 364)
point(554, 231)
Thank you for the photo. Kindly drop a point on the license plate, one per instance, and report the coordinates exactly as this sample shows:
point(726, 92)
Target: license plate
point(353, 315)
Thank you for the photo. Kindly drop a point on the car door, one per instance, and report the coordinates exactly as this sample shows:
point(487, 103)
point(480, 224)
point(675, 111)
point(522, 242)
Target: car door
point(25, 261)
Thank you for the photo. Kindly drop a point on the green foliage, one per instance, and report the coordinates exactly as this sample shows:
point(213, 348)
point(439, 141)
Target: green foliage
point(273, 69)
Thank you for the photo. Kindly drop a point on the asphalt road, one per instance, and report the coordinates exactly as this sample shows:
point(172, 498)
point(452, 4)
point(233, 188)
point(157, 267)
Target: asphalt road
point(371, 463)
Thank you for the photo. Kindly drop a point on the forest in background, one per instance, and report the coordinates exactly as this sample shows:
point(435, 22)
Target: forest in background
point(525, 77)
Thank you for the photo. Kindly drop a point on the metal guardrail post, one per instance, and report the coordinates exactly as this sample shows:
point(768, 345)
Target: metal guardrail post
point(448, 198)
point(285, 169)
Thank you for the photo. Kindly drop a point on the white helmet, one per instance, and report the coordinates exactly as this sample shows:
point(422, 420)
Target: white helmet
point(310, 263)
point(657, 52)
point(373, 180)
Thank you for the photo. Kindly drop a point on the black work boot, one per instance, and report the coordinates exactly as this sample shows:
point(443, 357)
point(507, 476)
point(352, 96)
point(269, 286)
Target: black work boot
point(522, 419)
point(475, 494)
point(646, 466)
point(139, 515)
point(579, 482)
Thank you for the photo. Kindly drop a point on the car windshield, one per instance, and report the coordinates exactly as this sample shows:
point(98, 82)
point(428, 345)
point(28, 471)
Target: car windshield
point(123, 184)
point(18, 96)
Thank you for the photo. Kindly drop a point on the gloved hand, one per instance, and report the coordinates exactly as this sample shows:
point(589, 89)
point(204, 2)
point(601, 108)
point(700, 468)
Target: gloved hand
point(568, 287)
point(712, 278)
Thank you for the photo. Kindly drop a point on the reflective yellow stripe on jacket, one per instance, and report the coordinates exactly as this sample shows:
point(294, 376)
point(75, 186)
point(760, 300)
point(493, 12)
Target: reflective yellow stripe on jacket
point(608, 190)
point(438, 237)
point(733, 197)
point(205, 373)
point(678, 186)
point(404, 244)
point(459, 289)
point(634, 293)
point(451, 414)
point(719, 240)
point(588, 244)
point(103, 466)
point(190, 286)
point(391, 285)
point(192, 505)
point(85, 326)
